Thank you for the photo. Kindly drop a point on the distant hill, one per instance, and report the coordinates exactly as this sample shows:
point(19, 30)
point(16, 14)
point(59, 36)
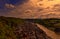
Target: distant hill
point(15, 28)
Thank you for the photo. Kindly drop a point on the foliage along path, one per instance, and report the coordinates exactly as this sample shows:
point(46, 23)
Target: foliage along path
point(50, 33)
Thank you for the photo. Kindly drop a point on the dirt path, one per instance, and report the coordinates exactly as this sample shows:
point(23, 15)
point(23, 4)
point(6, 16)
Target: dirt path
point(50, 33)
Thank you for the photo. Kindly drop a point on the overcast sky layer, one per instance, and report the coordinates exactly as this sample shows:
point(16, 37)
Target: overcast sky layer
point(30, 8)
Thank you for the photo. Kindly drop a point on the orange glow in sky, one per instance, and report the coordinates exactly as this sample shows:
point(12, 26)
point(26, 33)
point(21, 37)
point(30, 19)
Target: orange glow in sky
point(45, 3)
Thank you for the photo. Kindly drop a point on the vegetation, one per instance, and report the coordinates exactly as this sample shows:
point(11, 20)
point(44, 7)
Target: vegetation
point(8, 25)
point(52, 23)
point(15, 28)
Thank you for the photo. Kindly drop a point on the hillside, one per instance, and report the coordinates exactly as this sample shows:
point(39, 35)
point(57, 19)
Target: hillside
point(51, 23)
point(15, 28)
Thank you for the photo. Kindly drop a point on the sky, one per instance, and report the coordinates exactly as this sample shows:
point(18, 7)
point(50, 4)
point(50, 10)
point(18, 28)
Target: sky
point(14, 2)
point(8, 5)
point(5, 3)
point(30, 8)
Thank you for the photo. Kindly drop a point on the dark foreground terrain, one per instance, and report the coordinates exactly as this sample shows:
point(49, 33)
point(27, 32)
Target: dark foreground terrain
point(15, 28)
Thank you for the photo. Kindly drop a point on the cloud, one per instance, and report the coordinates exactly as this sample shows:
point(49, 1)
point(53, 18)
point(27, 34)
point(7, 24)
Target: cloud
point(56, 7)
point(50, 0)
point(26, 10)
point(9, 6)
point(32, 10)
